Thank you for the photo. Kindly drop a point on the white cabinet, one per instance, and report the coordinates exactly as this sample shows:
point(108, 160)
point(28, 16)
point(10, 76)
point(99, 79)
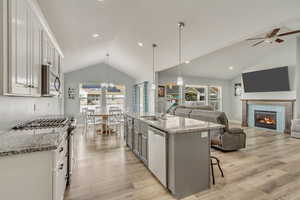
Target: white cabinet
point(25, 51)
point(36, 56)
point(18, 23)
point(50, 54)
point(34, 176)
point(28, 47)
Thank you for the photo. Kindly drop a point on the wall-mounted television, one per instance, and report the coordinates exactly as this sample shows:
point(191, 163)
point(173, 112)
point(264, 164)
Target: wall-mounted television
point(270, 80)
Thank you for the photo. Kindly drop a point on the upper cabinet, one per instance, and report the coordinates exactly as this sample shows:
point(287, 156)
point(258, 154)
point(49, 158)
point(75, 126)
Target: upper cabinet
point(29, 47)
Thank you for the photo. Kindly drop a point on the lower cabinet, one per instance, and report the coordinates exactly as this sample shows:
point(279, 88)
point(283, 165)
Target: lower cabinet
point(144, 149)
point(136, 147)
point(137, 138)
point(34, 176)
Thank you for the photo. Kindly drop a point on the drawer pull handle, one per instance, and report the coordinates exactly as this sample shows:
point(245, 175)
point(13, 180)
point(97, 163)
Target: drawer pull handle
point(61, 149)
point(61, 166)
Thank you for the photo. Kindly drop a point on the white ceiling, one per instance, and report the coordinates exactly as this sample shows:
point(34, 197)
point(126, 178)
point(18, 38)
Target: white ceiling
point(240, 56)
point(211, 25)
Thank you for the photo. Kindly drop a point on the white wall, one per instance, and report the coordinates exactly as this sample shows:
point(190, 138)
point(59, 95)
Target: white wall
point(14, 109)
point(298, 80)
point(95, 74)
point(282, 56)
point(165, 77)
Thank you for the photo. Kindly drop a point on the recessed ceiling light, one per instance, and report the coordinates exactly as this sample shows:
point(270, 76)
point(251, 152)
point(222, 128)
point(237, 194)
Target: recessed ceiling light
point(187, 62)
point(95, 35)
point(100, 0)
point(231, 68)
point(140, 44)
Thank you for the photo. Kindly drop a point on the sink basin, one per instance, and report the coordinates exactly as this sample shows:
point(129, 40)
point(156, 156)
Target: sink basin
point(151, 118)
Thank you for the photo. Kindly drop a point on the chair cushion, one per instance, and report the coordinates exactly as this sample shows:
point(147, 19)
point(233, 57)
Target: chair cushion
point(210, 116)
point(296, 127)
point(235, 130)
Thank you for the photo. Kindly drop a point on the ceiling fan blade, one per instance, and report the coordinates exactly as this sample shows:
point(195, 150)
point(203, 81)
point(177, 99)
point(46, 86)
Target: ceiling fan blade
point(273, 33)
point(258, 38)
point(289, 33)
point(279, 40)
point(258, 43)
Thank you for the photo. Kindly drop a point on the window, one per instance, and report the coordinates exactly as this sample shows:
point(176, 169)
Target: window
point(204, 95)
point(94, 97)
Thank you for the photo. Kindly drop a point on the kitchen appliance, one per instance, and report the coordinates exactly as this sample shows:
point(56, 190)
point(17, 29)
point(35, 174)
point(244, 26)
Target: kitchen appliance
point(63, 123)
point(157, 154)
point(50, 82)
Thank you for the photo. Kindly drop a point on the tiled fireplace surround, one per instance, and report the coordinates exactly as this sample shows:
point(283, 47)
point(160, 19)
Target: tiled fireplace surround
point(283, 108)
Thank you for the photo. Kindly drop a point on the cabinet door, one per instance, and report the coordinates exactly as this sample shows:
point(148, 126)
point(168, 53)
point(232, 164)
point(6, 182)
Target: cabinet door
point(129, 137)
point(136, 143)
point(19, 78)
point(144, 149)
point(36, 55)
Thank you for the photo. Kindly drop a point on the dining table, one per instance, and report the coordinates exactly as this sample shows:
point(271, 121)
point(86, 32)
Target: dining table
point(104, 115)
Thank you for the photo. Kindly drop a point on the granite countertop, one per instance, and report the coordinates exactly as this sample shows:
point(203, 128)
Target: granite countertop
point(174, 124)
point(15, 142)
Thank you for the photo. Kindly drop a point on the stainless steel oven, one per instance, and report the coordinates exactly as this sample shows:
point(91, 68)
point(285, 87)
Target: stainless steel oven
point(50, 82)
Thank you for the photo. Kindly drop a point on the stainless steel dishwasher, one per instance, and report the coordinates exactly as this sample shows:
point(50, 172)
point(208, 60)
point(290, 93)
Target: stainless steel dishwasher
point(157, 154)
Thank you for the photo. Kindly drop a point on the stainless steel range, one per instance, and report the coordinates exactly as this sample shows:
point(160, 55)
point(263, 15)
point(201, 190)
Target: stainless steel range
point(43, 123)
point(68, 124)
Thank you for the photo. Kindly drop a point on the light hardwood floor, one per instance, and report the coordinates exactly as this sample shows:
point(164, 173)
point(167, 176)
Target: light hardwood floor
point(268, 169)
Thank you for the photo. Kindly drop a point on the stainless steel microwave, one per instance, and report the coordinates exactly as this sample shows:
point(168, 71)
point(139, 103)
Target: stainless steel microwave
point(50, 82)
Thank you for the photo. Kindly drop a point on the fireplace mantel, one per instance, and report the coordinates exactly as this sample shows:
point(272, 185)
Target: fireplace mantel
point(287, 103)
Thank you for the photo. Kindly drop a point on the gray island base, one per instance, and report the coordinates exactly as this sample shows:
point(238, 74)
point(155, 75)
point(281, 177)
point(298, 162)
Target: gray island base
point(175, 149)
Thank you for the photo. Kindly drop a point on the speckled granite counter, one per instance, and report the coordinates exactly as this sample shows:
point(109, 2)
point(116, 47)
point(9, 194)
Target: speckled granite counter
point(26, 141)
point(174, 124)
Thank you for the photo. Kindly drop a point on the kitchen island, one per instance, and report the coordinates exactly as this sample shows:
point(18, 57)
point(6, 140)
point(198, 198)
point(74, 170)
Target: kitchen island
point(175, 149)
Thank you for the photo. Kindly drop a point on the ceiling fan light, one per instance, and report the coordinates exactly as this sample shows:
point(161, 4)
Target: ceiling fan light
point(268, 40)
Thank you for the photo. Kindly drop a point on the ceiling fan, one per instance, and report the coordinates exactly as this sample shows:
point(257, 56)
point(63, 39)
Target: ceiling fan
point(272, 36)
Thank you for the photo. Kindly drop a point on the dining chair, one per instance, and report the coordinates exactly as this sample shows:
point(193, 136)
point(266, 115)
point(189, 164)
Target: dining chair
point(115, 120)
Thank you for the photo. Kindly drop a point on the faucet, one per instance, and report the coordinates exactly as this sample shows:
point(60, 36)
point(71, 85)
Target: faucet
point(168, 110)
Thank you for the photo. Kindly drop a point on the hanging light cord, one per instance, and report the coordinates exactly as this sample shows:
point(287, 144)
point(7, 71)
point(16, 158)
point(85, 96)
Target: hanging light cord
point(153, 61)
point(180, 27)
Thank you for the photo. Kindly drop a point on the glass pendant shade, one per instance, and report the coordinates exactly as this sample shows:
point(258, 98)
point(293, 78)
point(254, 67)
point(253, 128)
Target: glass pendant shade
point(153, 86)
point(104, 85)
point(111, 85)
point(179, 81)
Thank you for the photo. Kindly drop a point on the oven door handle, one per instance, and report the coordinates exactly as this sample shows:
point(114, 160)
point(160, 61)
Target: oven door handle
point(57, 84)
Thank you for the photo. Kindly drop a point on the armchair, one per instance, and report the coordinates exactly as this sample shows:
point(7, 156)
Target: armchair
point(295, 128)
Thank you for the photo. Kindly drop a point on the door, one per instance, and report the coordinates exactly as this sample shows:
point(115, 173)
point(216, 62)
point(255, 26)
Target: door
point(157, 159)
point(19, 31)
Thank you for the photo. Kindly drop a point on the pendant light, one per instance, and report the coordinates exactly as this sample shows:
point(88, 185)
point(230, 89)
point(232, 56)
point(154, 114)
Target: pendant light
point(153, 86)
point(179, 77)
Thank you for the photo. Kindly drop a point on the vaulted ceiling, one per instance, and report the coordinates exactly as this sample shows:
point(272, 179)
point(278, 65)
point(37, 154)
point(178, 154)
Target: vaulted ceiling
point(121, 24)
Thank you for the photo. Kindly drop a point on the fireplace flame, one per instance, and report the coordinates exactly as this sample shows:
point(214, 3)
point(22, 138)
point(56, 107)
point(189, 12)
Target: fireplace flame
point(267, 120)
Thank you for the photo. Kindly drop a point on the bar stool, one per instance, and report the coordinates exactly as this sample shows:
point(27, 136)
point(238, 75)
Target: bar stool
point(212, 163)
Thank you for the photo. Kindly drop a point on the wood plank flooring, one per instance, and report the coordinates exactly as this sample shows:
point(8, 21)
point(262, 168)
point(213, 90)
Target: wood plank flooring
point(268, 169)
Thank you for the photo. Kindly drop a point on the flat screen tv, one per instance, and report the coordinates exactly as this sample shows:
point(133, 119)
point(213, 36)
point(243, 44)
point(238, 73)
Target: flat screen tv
point(271, 80)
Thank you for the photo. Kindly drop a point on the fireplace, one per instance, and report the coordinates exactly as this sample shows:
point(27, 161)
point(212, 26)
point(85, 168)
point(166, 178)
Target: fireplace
point(265, 119)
